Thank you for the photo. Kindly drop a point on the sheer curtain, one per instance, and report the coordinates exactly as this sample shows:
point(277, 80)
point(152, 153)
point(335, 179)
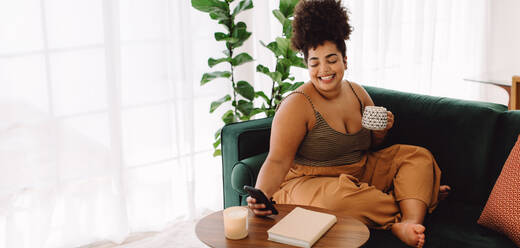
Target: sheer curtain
point(105, 131)
point(419, 46)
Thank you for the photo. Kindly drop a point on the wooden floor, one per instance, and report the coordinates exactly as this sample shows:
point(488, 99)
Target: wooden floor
point(179, 235)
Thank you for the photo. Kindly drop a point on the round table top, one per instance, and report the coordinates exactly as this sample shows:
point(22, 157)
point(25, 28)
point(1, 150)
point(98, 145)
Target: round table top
point(347, 232)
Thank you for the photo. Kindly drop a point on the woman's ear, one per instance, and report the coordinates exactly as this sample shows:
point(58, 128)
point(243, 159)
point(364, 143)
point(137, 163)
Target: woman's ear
point(345, 62)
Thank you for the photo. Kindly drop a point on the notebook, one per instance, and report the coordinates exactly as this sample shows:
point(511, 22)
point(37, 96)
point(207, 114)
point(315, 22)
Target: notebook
point(301, 227)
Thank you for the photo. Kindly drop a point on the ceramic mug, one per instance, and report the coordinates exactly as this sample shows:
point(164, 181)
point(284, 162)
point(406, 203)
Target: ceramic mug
point(374, 118)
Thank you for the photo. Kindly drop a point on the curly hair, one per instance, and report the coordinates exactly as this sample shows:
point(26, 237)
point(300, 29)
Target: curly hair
point(317, 21)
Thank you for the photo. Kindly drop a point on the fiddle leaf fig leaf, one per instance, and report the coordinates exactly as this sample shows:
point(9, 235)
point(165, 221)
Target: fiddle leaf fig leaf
point(228, 117)
point(275, 76)
point(287, 28)
point(256, 111)
point(262, 69)
point(287, 7)
point(245, 107)
point(284, 87)
point(262, 95)
point(219, 15)
point(273, 46)
point(296, 85)
point(227, 23)
point(210, 5)
point(224, 37)
point(216, 143)
point(242, 5)
point(212, 62)
point(246, 90)
point(207, 77)
point(297, 61)
point(220, 36)
point(217, 103)
point(283, 44)
point(240, 33)
point(280, 16)
point(241, 59)
point(217, 133)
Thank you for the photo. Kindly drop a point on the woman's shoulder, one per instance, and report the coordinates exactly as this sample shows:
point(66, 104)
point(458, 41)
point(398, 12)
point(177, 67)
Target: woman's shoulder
point(299, 95)
point(297, 102)
point(361, 92)
point(357, 87)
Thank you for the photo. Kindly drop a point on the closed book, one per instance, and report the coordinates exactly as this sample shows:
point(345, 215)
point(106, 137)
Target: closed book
point(301, 227)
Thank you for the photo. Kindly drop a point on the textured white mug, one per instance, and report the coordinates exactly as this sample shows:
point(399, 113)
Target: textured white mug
point(374, 118)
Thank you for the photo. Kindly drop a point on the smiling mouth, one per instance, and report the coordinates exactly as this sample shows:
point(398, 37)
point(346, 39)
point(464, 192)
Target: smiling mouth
point(327, 78)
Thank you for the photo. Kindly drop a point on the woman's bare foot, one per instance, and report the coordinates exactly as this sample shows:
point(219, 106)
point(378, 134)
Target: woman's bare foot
point(444, 192)
point(411, 234)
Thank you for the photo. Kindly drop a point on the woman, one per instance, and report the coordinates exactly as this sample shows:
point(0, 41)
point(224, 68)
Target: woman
point(319, 153)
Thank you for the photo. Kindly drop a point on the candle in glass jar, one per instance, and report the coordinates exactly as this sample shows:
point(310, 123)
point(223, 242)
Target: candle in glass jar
point(235, 222)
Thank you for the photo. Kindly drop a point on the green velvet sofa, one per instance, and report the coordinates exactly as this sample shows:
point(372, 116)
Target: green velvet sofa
point(470, 141)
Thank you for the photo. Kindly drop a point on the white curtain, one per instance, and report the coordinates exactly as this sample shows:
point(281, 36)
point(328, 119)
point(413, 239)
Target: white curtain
point(105, 131)
point(421, 46)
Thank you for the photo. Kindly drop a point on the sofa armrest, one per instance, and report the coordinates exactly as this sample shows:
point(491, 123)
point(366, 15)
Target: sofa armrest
point(246, 171)
point(239, 141)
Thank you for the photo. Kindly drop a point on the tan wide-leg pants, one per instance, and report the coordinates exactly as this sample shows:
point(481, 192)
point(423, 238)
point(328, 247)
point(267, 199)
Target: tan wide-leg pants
point(370, 189)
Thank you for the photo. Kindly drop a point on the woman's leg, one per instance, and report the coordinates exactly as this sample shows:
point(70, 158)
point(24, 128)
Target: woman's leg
point(344, 194)
point(413, 177)
point(444, 192)
point(410, 230)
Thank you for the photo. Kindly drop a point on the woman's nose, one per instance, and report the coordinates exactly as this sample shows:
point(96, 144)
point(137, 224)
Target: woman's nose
point(324, 67)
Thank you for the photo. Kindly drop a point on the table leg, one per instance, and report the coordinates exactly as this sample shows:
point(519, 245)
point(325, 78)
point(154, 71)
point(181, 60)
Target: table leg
point(514, 102)
point(508, 90)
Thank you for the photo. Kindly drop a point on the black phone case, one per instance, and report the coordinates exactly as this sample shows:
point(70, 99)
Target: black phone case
point(260, 198)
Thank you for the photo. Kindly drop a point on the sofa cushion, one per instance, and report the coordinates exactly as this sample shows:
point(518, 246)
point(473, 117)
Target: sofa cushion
point(502, 212)
point(506, 132)
point(460, 135)
point(452, 224)
point(246, 171)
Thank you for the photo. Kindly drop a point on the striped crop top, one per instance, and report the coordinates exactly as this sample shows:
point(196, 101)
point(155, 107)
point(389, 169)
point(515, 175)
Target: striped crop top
point(324, 146)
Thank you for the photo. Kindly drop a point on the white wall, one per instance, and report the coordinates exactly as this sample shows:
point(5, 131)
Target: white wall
point(503, 46)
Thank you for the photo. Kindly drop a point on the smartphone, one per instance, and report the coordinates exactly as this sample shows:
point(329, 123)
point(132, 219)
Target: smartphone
point(260, 198)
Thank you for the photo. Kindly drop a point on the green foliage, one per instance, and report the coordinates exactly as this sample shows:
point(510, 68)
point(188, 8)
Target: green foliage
point(246, 90)
point(239, 105)
point(241, 59)
point(285, 59)
point(207, 77)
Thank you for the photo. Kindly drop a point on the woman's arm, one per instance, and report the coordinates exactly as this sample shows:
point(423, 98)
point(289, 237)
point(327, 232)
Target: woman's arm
point(377, 136)
point(287, 131)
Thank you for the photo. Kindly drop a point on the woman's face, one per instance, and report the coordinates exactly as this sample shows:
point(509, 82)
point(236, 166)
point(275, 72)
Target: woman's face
point(326, 66)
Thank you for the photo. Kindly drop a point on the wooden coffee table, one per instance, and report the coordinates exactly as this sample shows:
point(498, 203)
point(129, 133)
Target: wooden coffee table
point(347, 232)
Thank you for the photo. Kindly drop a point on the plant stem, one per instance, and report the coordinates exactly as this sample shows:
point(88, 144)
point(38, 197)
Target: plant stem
point(272, 96)
point(233, 83)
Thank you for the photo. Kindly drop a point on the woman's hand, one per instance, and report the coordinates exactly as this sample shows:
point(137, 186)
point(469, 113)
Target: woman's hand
point(251, 203)
point(389, 125)
point(390, 122)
